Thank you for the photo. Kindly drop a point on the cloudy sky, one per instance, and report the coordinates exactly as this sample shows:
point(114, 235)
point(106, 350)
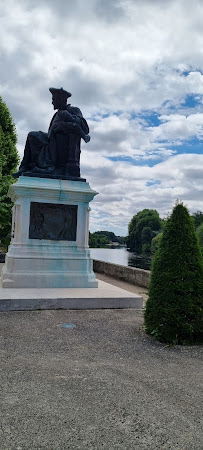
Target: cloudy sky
point(135, 69)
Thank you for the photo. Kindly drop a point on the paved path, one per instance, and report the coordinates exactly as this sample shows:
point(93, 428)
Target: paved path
point(99, 386)
point(124, 285)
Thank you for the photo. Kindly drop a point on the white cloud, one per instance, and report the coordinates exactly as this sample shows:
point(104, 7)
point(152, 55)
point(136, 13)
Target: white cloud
point(179, 127)
point(121, 60)
point(127, 192)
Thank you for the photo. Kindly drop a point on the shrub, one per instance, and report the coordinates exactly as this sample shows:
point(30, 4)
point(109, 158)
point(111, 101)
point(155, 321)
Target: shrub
point(8, 163)
point(174, 310)
point(156, 243)
point(199, 232)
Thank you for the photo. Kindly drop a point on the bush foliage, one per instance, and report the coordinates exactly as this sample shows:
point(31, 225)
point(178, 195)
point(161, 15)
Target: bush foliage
point(174, 310)
point(199, 232)
point(8, 163)
point(197, 218)
point(156, 243)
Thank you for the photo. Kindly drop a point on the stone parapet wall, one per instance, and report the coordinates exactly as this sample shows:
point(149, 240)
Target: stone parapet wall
point(131, 275)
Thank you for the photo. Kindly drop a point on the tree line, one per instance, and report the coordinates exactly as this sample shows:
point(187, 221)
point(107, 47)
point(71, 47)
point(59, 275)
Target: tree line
point(146, 228)
point(104, 239)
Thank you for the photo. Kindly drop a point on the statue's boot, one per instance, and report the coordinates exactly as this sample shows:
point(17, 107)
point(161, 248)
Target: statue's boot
point(40, 170)
point(20, 171)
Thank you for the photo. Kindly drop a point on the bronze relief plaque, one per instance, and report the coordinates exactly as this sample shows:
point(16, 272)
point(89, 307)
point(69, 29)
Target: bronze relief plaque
point(52, 221)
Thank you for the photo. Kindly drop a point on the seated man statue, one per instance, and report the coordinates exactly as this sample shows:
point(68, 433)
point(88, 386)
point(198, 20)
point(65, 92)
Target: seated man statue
point(56, 153)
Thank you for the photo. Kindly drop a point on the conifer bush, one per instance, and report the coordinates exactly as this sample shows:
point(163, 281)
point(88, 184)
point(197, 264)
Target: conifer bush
point(174, 309)
point(8, 163)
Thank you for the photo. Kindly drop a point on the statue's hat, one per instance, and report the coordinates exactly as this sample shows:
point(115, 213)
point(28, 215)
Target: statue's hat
point(60, 91)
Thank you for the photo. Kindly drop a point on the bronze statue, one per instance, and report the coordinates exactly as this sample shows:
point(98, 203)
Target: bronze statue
point(56, 154)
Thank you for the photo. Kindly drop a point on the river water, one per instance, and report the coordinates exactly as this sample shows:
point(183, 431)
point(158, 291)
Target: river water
point(121, 256)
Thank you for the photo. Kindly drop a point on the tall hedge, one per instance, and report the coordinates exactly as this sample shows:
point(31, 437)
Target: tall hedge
point(174, 310)
point(8, 164)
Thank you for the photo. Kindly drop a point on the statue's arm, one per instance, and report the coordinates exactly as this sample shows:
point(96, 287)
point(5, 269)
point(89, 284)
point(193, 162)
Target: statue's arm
point(71, 127)
point(70, 120)
point(78, 118)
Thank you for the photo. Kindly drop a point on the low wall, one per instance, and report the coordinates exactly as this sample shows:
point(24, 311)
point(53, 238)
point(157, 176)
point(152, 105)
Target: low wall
point(131, 275)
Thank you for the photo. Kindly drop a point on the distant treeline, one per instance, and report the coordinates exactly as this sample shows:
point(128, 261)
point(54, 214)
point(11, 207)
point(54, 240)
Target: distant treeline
point(144, 233)
point(146, 227)
point(105, 239)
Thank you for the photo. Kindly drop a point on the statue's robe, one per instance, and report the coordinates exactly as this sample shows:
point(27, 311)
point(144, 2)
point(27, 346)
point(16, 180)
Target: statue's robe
point(42, 149)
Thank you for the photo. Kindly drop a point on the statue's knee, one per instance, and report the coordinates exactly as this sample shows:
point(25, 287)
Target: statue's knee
point(30, 136)
point(33, 137)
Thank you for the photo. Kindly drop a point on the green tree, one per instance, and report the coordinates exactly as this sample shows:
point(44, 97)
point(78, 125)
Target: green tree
point(92, 241)
point(121, 239)
point(156, 243)
point(146, 239)
point(109, 234)
point(174, 309)
point(8, 164)
point(197, 218)
point(199, 232)
point(98, 240)
point(142, 228)
point(102, 238)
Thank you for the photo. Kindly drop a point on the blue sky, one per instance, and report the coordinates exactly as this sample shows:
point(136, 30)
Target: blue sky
point(138, 81)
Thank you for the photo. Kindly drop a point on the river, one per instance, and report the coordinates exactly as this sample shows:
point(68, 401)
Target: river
point(121, 256)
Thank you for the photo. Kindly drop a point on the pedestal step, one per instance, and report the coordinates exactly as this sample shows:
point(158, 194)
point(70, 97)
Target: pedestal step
point(106, 296)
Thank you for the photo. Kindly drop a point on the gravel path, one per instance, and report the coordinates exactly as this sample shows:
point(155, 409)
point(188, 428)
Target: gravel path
point(101, 385)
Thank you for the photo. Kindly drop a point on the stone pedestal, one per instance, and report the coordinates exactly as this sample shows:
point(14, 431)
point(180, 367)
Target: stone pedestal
point(49, 245)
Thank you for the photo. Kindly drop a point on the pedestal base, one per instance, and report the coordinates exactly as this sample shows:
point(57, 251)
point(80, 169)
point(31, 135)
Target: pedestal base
point(49, 248)
point(43, 270)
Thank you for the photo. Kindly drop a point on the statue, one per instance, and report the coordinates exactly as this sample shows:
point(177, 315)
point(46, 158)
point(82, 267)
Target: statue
point(56, 154)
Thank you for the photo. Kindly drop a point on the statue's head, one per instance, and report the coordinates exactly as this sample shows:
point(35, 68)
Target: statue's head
point(59, 97)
